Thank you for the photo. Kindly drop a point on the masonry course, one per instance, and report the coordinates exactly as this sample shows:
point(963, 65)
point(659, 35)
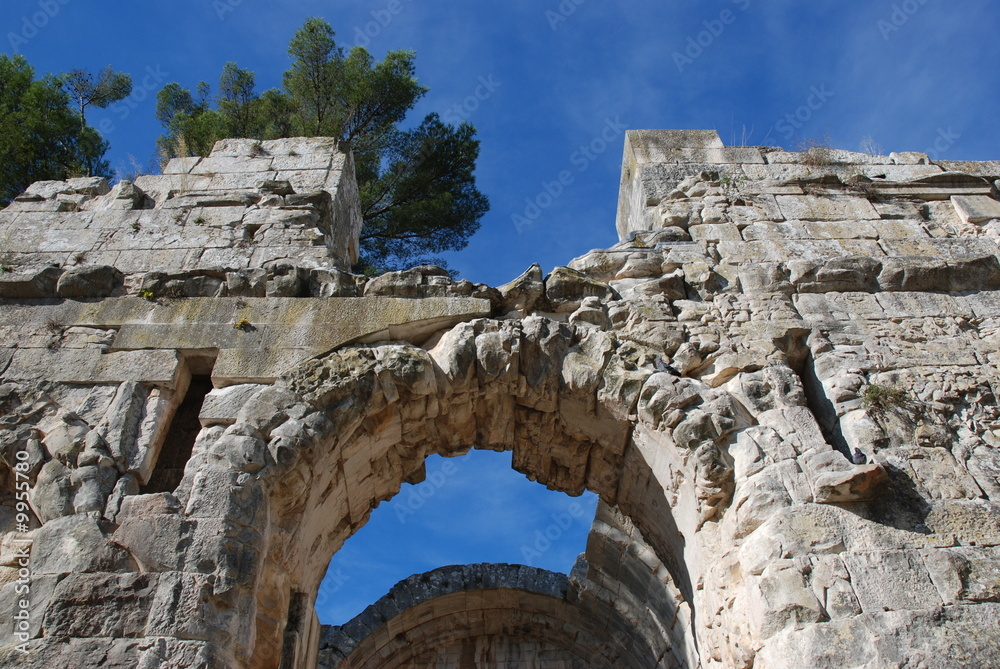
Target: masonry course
point(709, 377)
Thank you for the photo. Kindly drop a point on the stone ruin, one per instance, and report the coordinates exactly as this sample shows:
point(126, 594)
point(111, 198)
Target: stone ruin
point(200, 404)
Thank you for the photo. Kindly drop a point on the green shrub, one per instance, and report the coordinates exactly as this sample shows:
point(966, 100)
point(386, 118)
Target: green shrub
point(877, 399)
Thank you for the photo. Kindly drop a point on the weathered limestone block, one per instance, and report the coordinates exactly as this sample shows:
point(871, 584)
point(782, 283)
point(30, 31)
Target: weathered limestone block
point(829, 208)
point(976, 209)
point(29, 282)
point(75, 544)
point(891, 581)
point(934, 472)
point(222, 405)
point(566, 288)
point(591, 312)
point(831, 582)
point(88, 281)
point(836, 480)
point(781, 599)
point(182, 654)
point(125, 196)
point(756, 499)
point(101, 605)
point(120, 426)
point(839, 275)
point(951, 641)
point(53, 492)
point(668, 286)
point(964, 574)
point(186, 607)
point(12, 594)
point(427, 281)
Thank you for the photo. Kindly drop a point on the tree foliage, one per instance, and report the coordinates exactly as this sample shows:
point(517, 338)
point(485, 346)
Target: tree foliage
point(41, 136)
point(418, 190)
point(423, 199)
point(110, 86)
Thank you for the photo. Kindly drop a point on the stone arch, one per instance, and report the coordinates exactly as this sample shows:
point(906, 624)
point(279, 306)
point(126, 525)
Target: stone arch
point(244, 541)
point(730, 505)
point(489, 613)
point(307, 459)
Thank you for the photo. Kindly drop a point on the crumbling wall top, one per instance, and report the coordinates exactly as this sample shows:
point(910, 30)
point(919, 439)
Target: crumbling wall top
point(248, 205)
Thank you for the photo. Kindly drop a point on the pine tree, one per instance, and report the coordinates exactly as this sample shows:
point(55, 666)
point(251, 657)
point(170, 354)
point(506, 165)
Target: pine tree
point(418, 188)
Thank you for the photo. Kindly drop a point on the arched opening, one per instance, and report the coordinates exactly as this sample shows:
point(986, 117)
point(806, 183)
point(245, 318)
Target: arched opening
point(307, 460)
point(268, 500)
point(380, 411)
point(470, 509)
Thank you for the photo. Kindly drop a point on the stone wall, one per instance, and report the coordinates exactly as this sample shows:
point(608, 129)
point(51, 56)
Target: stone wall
point(252, 219)
point(781, 383)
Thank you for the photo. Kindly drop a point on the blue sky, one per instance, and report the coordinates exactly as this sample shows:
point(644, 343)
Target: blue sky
point(470, 509)
point(550, 85)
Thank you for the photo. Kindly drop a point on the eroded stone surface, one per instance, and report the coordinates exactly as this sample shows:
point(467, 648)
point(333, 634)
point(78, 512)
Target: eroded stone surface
point(781, 382)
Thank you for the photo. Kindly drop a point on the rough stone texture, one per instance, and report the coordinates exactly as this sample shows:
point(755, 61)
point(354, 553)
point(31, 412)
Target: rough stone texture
point(765, 319)
point(248, 205)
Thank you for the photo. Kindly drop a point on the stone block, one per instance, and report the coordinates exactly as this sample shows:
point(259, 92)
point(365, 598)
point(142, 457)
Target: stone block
point(901, 227)
point(181, 165)
point(918, 305)
point(75, 544)
point(91, 366)
point(934, 472)
point(896, 209)
point(891, 581)
point(88, 282)
point(42, 587)
point(862, 483)
point(223, 404)
point(782, 250)
point(304, 180)
point(101, 605)
point(955, 248)
point(820, 155)
point(970, 574)
point(185, 606)
point(231, 165)
point(150, 433)
point(828, 208)
point(29, 283)
point(235, 181)
point(309, 161)
point(989, 169)
point(976, 209)
point(648, 146)
point(780, 600)
point(714, 232)
point(909, 158)
point(295, 147)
